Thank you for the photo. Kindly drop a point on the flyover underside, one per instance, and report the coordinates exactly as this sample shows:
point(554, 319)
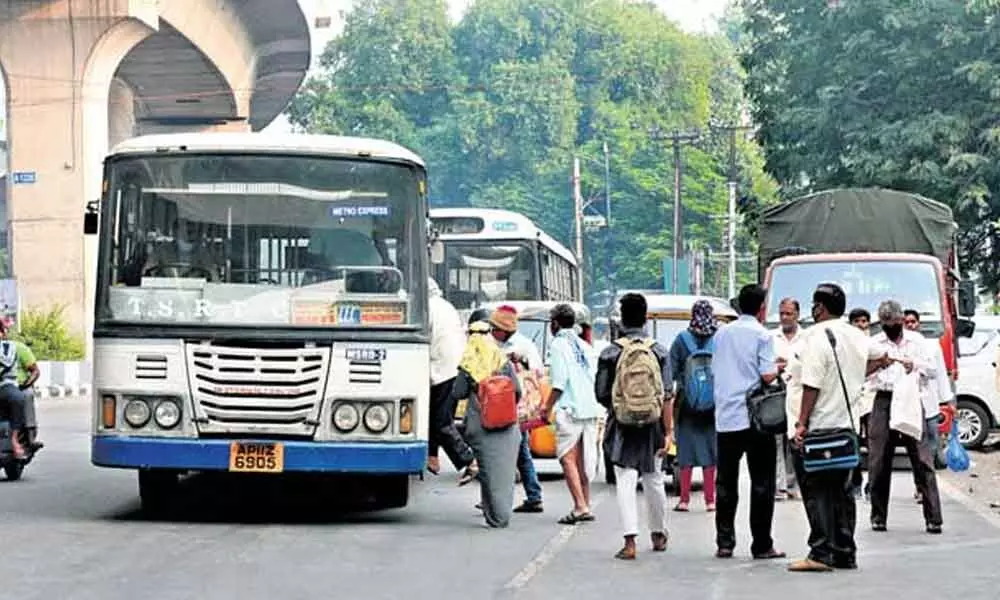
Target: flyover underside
point(82, 81)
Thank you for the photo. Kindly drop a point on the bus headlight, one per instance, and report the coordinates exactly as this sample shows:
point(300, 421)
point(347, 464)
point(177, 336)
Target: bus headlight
point(377, 418)
point(137, 412)
point(167, 414)
point(346, 418)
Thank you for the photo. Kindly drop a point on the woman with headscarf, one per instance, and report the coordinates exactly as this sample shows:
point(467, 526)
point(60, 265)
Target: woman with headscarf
point(694, 430)
point(496, 450)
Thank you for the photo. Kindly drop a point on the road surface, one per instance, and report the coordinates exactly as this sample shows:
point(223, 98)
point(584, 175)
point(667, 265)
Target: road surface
point(72, 531)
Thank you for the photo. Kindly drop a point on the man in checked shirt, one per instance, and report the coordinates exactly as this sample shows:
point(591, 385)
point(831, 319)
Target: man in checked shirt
point(903, 351)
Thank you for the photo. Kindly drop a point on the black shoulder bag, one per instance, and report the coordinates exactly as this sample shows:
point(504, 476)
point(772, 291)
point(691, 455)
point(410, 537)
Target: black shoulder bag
point(768, 408)
point(832, 449)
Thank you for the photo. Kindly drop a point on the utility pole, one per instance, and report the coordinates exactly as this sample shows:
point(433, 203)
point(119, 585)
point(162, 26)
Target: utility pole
point(608, 232)
point(677, 139)
point(732, 184)
point(578, 216)
point(732, 212)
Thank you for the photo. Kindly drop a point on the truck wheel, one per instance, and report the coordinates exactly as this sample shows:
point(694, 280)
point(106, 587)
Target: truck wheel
point(156, 487)
point(973, 424)
point(13, 470)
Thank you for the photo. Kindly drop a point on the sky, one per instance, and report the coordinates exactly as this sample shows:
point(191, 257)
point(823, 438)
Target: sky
point(692, 15)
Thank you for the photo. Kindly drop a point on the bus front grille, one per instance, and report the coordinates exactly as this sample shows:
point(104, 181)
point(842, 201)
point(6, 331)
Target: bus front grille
point(257, 390)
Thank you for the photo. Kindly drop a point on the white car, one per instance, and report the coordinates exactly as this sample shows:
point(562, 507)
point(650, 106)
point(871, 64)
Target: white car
point(977, 395)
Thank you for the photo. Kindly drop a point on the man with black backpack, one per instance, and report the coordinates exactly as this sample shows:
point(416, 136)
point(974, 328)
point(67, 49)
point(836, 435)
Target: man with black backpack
point(631, 377)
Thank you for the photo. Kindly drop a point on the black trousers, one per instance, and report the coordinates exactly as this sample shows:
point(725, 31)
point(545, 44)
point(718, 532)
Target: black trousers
point(761, 453)
point(857, 476)
point(882, 442)
point(13, 401)
point(443, 432)
point(828, 497)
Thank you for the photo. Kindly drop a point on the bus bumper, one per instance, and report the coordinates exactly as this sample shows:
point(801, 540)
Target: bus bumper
point(132, 452)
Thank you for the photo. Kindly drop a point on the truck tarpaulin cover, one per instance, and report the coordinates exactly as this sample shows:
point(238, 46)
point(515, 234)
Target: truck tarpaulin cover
point(857, 220)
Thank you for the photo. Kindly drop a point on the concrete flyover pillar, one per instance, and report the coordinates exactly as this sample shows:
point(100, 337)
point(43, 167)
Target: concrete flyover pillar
point(59, 58)
point(84, 75)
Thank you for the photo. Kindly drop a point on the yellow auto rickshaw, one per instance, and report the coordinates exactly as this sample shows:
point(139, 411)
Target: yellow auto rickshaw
point(667, 315)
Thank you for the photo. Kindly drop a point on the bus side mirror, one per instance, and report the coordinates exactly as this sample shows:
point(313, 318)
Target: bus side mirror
point(90, 219)
point(967, 298)
point(437, 252)
point(965, 328)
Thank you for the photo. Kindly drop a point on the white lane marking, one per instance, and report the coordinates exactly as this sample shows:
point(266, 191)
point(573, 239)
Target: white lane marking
point(552, 548)
point(975, 506)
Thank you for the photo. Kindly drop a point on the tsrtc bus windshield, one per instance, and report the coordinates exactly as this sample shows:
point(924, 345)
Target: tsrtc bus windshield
point(262, 240)
point(478, 272)
point(867, 283)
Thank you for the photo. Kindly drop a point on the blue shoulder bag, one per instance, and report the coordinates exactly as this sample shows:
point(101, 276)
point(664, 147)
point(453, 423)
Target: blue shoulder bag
point(832, 449)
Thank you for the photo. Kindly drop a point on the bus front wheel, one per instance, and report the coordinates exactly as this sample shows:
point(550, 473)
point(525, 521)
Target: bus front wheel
point(393, 492)
point(156, 487)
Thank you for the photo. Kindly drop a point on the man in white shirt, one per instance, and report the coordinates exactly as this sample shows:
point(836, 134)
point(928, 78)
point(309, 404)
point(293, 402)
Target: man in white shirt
point(937, 391)
point(826, 374)
point(447, 345)
point(786, 342)
point(904, 352)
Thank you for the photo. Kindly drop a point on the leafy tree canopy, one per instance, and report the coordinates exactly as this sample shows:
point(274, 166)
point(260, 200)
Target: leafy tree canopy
point(898, 94)
point(500, 103)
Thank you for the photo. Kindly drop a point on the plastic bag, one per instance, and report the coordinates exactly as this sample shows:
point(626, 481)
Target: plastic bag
point(956, 455)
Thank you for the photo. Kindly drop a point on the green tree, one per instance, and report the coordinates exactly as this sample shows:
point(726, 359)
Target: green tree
point(46, 333)
point(883, 93)
point(529, 85)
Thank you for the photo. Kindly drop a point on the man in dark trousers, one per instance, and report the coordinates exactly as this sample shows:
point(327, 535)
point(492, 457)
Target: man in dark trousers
point(828, 370)
point(743, 359)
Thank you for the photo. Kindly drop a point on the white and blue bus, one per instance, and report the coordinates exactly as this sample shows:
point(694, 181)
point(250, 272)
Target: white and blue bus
point(499, 255)
point(254, 293)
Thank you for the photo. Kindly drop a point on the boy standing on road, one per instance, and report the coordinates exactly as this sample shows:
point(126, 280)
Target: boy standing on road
point(635, 449)
point(576, 410)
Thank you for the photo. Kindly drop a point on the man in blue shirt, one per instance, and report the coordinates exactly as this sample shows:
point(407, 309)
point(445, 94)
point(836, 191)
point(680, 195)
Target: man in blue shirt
point(744, 357)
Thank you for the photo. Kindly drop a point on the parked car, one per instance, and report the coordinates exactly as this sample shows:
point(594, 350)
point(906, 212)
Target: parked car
point(978, 399)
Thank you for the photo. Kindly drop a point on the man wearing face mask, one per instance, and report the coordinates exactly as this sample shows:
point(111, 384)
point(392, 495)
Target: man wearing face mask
point(903, 352)
point(787, 341)
point(937, 391)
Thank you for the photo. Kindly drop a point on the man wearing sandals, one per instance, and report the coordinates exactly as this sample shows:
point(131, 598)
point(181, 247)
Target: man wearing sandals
point(575, 410)
point(635, 450)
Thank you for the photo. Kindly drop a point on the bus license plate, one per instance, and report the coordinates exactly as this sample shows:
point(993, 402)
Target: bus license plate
point(256, 457)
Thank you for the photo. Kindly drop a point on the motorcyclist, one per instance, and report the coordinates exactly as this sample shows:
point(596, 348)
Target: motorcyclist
point(18, 374)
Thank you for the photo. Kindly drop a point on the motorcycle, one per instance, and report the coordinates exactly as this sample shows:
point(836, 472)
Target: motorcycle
point(13, 467)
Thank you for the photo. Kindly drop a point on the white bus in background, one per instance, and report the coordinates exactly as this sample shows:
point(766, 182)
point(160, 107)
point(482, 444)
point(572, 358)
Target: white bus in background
point(254, 294)
point(499, 255)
